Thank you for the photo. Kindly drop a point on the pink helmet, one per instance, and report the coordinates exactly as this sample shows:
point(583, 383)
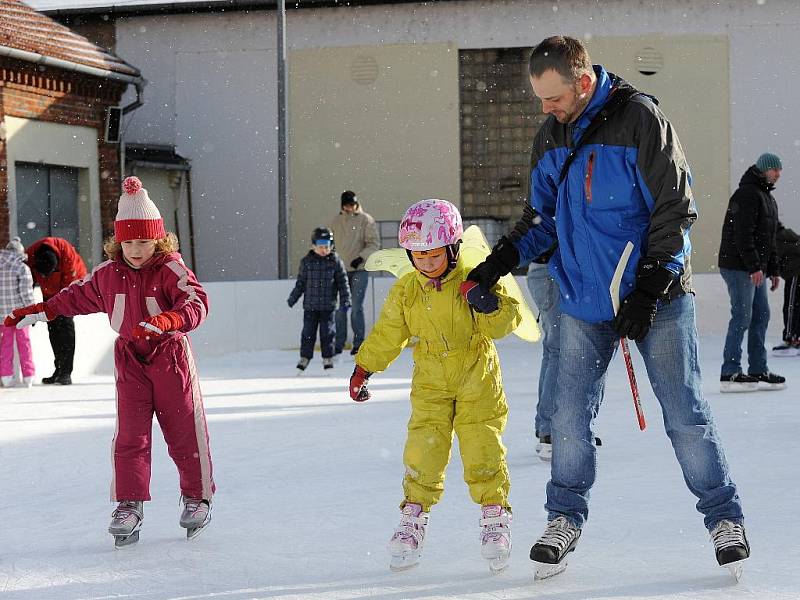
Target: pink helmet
point(430, 224)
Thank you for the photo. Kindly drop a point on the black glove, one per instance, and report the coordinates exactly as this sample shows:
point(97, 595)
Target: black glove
point(356, 262)
point(483, 302)
point(638, 310)
point(503, 258)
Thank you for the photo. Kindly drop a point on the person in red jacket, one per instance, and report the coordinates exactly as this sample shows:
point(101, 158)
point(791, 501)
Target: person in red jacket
point(152, 300)
point(55, 264)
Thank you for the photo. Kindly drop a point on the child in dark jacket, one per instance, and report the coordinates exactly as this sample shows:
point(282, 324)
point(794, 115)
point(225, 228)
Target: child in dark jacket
point(321, 277)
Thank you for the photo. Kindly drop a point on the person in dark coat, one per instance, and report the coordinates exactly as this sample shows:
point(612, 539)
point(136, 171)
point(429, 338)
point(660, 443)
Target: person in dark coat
point(747, 257)
point(322, 276)
point(788, 244)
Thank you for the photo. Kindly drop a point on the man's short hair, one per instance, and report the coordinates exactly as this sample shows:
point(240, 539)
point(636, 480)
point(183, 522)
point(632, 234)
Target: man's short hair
point(565, 55)
point(45, 260)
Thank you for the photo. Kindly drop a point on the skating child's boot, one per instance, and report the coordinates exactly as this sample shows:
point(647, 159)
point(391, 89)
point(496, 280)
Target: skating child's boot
point(495, 525)
point(405, 547)
point(126, 520)
point(196, 516)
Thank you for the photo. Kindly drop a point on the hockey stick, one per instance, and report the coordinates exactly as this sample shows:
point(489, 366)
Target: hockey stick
point(623, 342)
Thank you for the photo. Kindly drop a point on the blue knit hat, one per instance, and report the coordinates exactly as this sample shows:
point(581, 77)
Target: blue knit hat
point(768, 161)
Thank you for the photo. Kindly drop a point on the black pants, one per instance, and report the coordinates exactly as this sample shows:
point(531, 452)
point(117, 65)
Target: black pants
point(327, 331)
point(62, 339)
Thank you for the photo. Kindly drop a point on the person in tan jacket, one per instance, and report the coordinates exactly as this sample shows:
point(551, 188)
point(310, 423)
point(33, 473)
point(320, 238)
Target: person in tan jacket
point(356, 236)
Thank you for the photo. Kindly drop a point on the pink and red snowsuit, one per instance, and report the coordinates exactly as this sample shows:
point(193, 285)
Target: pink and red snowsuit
point(152, 376)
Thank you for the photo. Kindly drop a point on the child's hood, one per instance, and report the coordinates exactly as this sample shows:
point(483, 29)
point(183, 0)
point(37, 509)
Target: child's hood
point(9, 258)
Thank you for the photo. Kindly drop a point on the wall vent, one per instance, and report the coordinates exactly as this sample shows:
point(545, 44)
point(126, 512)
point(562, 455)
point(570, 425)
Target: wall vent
point(364, 70)
point(649, 61)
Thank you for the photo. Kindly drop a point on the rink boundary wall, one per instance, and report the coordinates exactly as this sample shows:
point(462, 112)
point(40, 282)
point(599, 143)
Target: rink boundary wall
point(251, 316)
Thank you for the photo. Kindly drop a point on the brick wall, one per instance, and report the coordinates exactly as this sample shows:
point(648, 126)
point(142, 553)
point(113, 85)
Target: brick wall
point(35, 92)
point(499, 118)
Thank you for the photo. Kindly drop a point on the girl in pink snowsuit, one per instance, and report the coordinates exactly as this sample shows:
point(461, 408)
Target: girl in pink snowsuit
point(152, 300)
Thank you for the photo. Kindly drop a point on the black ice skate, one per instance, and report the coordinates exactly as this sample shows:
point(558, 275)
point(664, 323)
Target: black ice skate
point(126, 520)
point(731, 546)
point(195, 517)
point(550, 551)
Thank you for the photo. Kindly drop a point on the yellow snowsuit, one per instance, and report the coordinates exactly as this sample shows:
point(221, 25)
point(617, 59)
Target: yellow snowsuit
point(456, 383)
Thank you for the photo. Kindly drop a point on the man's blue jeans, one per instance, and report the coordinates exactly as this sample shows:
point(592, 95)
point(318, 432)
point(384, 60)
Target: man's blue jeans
point(358, 289)
point(749, 312)
point(545, 293)
point(670, 356)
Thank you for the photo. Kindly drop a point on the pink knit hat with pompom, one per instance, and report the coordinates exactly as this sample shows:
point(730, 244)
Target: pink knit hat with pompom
point(137, 216)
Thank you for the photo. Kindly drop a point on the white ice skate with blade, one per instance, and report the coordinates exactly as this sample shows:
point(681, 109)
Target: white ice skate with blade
point(195, 517)
point(126, 520)
point(405, 547)
point(495, 536)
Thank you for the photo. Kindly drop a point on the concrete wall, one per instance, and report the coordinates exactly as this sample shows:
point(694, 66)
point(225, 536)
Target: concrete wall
point(212, 92)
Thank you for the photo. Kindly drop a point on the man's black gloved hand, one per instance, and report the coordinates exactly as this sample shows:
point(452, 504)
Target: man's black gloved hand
point(638, 310)
point(356, 262)
point(503, 258)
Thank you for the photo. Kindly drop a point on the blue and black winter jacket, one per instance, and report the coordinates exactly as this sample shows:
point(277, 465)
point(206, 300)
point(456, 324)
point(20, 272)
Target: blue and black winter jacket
point(319, 280)
point(629, 182)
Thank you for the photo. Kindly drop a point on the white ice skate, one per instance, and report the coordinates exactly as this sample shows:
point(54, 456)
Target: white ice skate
point(550, 551)
point(7, 381)
point(126, 520)
point(495, 536)
point(195, 517)
point(731, 546)
point(405, 547)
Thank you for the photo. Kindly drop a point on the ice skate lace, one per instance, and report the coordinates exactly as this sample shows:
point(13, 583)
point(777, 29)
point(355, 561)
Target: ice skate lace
point(411, 527)
point(559, 534)
point(727, 534)
point(494, 527)
point(125, 509)
point(191, 505)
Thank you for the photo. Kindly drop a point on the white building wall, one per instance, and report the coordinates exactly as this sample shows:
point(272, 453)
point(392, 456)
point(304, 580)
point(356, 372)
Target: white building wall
point(236, 226)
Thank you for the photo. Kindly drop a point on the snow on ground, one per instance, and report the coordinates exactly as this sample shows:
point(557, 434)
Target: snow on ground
point(309, 484)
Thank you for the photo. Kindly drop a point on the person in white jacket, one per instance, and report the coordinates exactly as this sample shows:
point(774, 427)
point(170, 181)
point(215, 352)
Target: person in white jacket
point(356, 236)
point(16, 290)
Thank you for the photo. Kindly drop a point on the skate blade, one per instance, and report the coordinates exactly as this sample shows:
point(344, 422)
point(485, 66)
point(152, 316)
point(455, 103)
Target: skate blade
point(121, 541)
point(498, 565)
point(546, 570)
point(193, 532)
point(736, 569)
point(404, 562)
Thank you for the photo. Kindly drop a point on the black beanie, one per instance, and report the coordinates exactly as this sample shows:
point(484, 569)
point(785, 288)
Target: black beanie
point(349, 197)
point(45, 260)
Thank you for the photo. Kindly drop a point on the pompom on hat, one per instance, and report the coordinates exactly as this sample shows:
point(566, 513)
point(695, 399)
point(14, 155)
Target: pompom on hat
point(137, 216)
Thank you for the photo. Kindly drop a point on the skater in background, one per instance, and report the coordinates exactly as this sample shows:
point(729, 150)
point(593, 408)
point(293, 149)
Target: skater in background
point(788, 245)
point(55, 264)
point(321, 279)
point(748, 257)
point(456, 384)
point(356, 238)
point(16, 290)
point(152, 300)
point(545, 293)
point(607, 171)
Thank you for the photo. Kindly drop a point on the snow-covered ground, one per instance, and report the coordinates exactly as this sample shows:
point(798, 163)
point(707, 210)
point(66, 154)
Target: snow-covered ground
point(309, 484)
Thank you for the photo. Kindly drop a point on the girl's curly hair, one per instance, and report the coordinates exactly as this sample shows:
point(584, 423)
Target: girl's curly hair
point(168, 243)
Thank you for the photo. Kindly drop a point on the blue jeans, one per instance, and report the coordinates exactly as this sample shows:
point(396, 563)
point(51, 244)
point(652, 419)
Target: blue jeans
point(358, 289)
point(749, 312)
point(545, 293)
point(670, 356)
point(312, 319)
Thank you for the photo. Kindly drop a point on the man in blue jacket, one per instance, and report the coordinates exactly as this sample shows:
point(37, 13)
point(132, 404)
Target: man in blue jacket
point(608, 171)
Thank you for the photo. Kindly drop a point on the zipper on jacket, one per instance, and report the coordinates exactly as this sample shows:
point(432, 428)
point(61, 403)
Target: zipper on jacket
point(587, 180)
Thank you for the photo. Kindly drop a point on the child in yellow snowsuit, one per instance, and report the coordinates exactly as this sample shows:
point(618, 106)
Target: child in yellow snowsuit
point(456, 384)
